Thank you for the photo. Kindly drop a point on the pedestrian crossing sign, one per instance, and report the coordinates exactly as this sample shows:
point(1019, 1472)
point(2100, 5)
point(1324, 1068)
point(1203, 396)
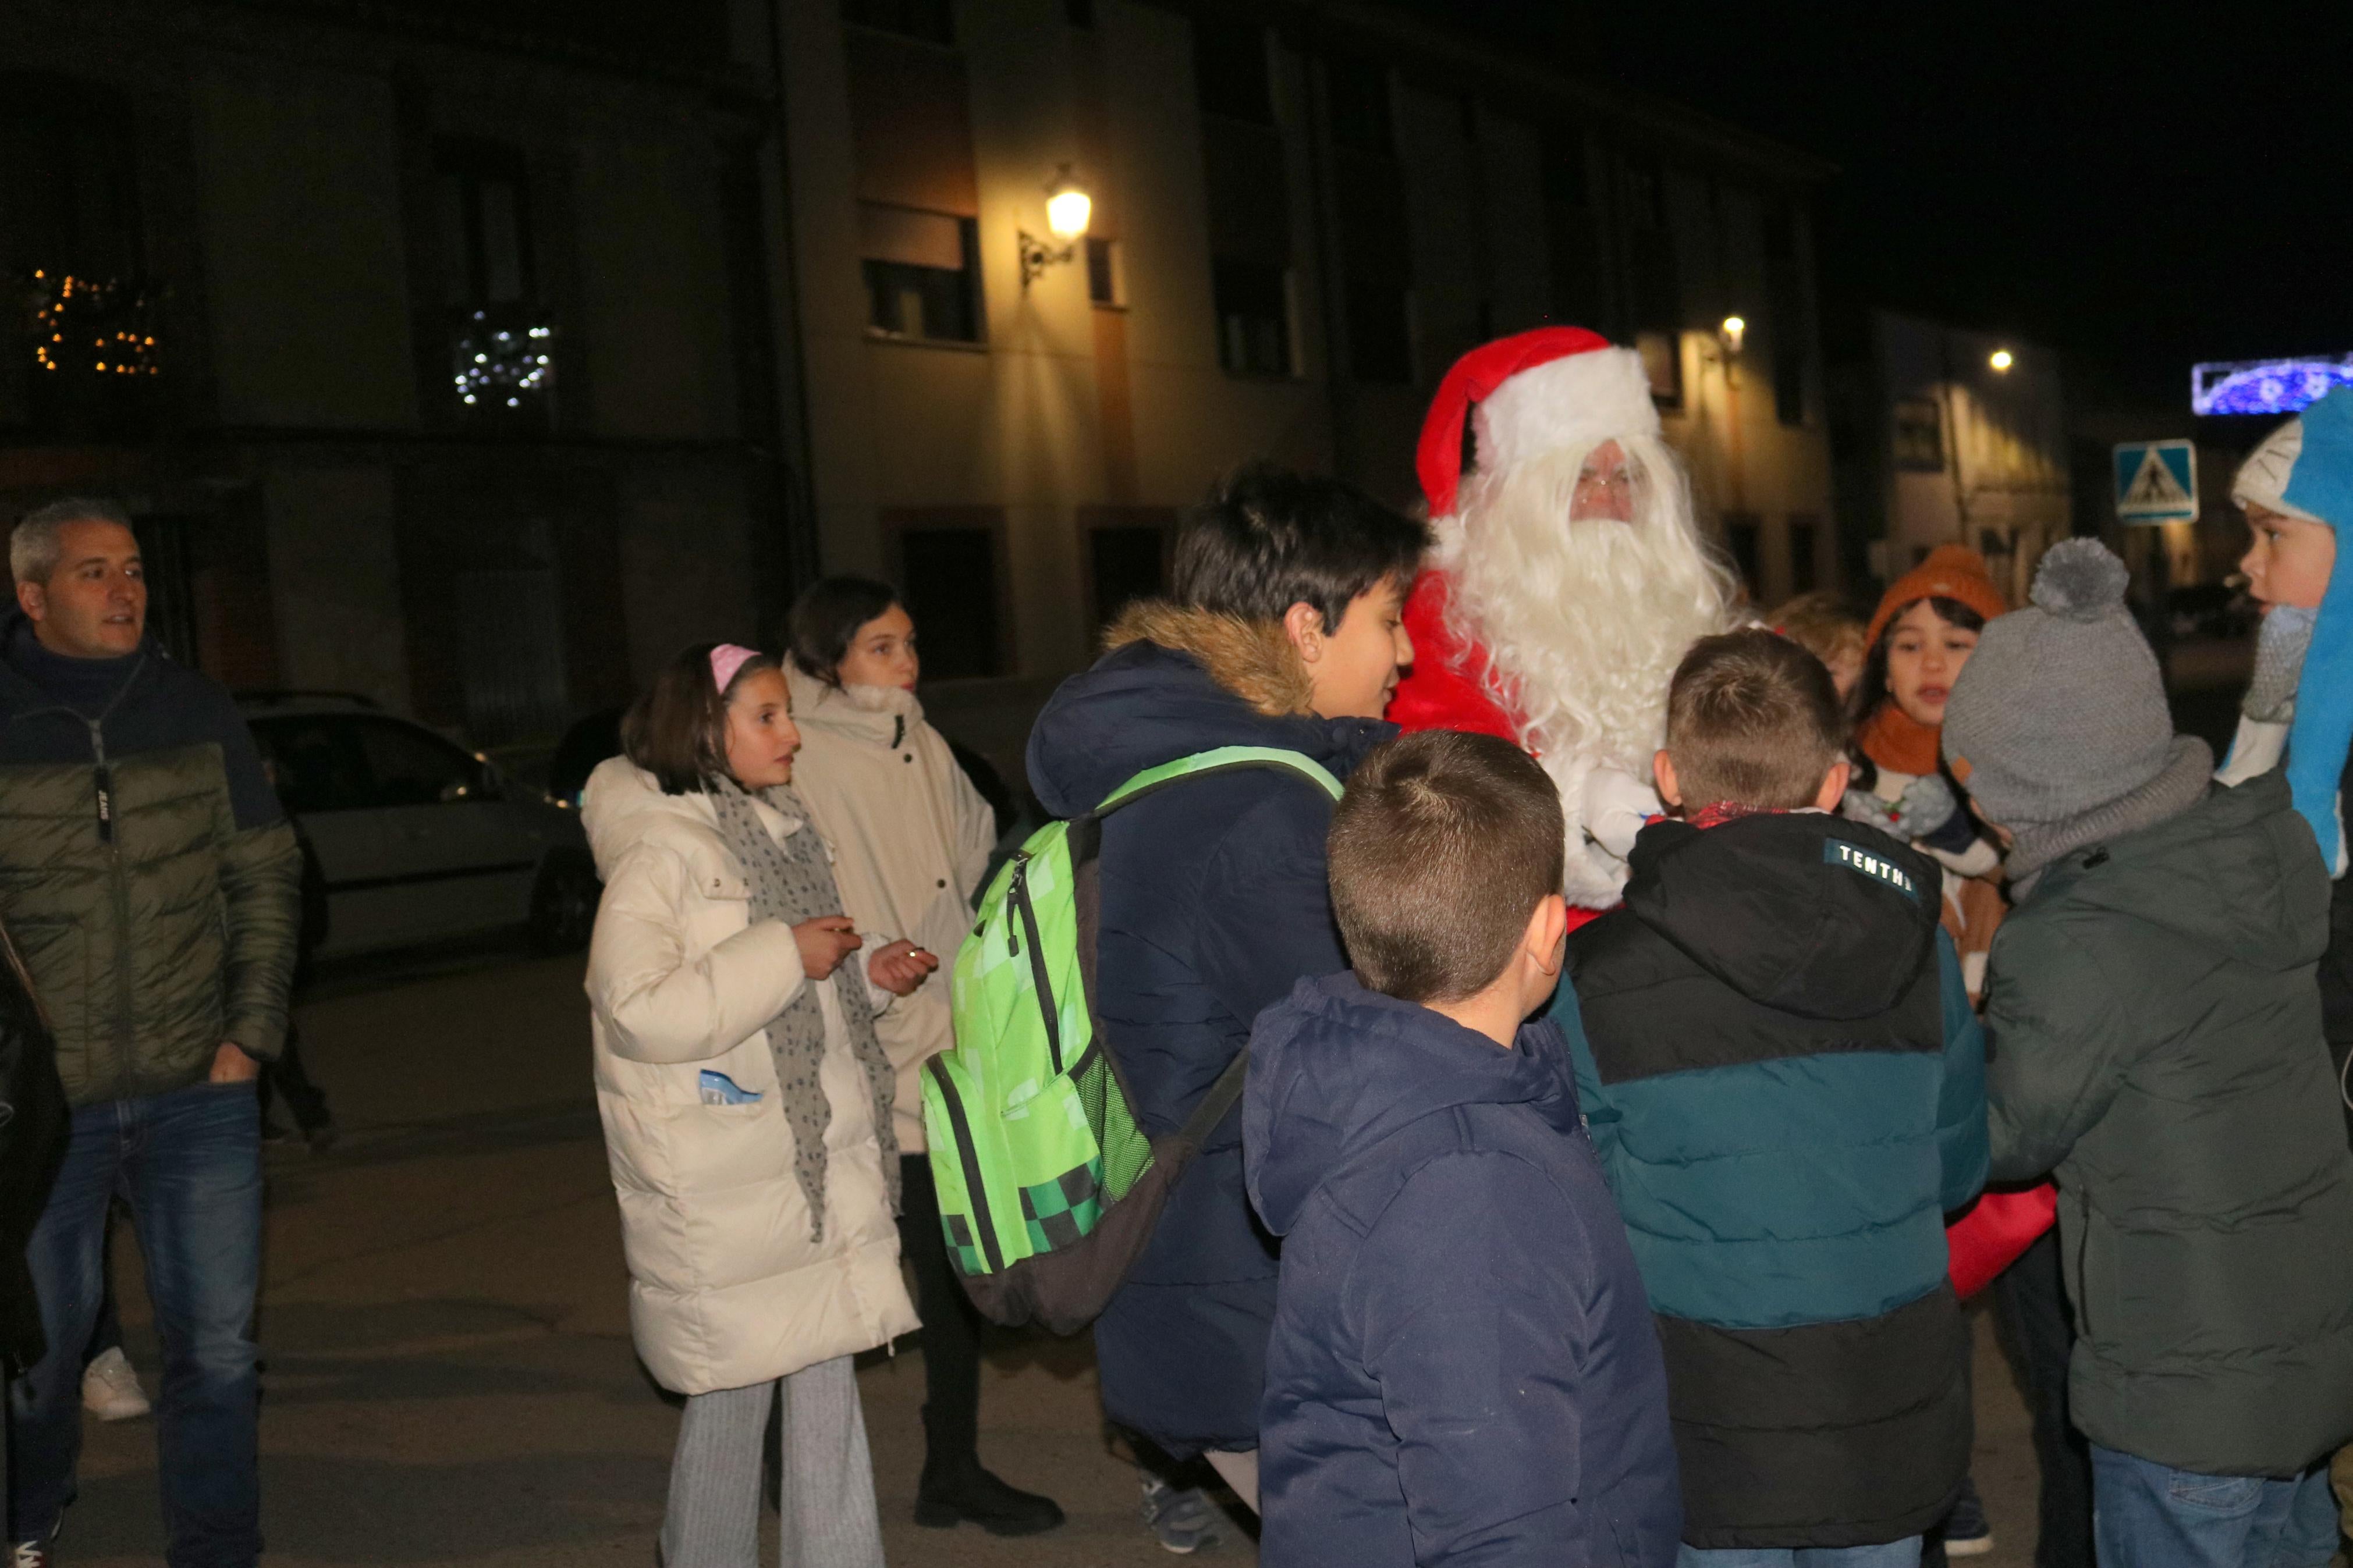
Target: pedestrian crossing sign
point(2156, 481)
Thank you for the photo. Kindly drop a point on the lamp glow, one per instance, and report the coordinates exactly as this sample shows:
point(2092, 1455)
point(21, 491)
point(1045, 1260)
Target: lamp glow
point(1067, 212)
point(1732, 330)
point(2001, 359)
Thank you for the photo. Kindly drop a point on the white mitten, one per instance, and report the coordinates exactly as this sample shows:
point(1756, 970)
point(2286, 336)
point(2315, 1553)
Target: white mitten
point(1616, 804)
point(2280, 647)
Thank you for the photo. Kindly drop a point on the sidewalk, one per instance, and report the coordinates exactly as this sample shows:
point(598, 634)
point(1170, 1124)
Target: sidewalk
point(449, 1376)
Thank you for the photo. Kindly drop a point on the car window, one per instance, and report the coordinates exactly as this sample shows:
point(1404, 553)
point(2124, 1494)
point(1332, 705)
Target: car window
point(412, 766)
point(316, 764)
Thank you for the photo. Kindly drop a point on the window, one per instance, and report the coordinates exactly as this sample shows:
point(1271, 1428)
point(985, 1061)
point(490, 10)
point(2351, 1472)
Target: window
point(513, 649)
point(1785, 291)
point(502, 338)
point(951, 579)
point(410, 766)
point(1805, 543)
point(923, 272)
point(316, 764)
point(1743, 535)
point(932, 21)
point(1656, 299)
point(1917, 442)
point(1125, 562)
point(1570, 231)
point(1253, 302)
point(1662, 359)
point(1229, 71)
point(1106, 282)
point(1360, 94)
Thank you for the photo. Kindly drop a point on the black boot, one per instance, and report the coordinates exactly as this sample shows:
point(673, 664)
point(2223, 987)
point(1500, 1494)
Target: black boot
point(950, 1494)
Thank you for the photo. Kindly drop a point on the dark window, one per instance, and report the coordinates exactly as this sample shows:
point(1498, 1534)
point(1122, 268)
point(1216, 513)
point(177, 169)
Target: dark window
point(1804, 536)
point(950, 574)
point(1380, 333)
point(513, 650)
point(932, 21)
point(502, 337)
point(1125, 564)
point(1662, 359)
point(1571, 233)
point(1785, 291)
point(1253, 302)
point(923, 272)
point(1656, 299)
point(316, 764)
point(1229, 71)
point(82, 349)
point(1917, 438)
point(1743, 535)
point(1359, 93)
point(409, 766)
point(1103, 282)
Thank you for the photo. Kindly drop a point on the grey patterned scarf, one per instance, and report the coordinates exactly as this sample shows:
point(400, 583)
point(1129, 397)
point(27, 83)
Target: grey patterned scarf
point(792, 882)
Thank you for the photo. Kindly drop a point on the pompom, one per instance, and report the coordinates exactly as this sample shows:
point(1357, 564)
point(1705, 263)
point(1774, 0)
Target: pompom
point(2080, 579)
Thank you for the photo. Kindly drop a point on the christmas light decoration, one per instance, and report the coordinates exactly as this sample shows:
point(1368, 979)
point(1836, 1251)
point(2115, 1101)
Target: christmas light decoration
point(94, 326)
point(499, 366)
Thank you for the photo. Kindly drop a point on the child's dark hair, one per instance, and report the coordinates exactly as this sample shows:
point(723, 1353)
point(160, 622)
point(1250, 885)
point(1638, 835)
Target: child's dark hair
point(1440, 850)
point(1752, 719)
point(1267, 539)
point(677, 728)
point(825, 619)
point(1871, 687)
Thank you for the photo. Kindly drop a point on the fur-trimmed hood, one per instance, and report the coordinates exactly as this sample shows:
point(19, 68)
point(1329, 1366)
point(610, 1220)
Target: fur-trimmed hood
point(1253, 661)
point(1175, 681)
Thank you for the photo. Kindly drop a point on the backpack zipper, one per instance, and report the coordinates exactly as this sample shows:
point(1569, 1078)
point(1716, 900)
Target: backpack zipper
point(984, 1229)
point(1038, 976)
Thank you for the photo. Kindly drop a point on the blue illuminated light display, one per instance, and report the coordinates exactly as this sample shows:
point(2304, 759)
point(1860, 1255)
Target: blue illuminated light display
point(2265, 385)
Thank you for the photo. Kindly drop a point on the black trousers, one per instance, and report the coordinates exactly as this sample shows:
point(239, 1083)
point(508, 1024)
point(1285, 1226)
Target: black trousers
point(951, 1327)
point(2031, 1298)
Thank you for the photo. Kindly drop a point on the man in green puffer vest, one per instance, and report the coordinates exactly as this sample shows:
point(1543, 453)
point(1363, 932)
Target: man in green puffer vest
point(152, 886)
point(2154, 1026)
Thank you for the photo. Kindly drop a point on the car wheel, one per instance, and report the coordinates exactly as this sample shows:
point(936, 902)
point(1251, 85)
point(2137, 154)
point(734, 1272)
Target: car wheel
point(564, 903)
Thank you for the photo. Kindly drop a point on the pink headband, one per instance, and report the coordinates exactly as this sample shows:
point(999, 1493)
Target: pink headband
point(726, 659)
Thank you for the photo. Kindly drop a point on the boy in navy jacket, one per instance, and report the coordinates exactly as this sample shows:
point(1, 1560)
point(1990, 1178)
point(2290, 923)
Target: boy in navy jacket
point(1462, 1368)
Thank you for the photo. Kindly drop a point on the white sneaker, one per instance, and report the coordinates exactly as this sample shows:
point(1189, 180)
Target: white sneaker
point(110, 1391)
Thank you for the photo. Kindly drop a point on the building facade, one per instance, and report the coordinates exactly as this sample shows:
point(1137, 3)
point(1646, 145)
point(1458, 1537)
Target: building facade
point(414, 343)
point(476, 359)
point(1301, 215)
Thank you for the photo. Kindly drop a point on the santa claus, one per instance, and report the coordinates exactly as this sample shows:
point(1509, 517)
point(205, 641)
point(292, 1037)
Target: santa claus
point(1568, 581)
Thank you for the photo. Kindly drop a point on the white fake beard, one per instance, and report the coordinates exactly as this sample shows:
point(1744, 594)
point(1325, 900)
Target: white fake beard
point(1584, 622)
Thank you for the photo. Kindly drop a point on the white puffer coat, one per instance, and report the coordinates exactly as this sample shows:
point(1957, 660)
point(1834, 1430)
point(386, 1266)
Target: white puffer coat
point(911, 837)
point(725, 1288)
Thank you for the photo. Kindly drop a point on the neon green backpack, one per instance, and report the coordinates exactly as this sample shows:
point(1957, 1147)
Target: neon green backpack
point(1047, 1187)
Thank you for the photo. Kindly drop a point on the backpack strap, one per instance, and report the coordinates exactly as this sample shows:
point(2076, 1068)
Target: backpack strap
point(1224, 759)
point(1218, 1101)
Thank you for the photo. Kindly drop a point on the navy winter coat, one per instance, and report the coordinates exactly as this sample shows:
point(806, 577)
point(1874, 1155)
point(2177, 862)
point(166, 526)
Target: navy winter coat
point(1464, 1367)
point(1214, 905)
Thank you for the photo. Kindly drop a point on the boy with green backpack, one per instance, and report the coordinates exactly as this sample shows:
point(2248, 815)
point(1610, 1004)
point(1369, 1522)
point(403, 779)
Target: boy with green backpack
point(1159, 928)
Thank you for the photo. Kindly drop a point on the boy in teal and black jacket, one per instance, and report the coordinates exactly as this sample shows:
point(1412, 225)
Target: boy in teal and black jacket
point(1780, 1068)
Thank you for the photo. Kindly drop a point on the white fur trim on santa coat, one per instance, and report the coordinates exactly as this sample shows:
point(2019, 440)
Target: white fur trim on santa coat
point(1580, 401)
point(1596, 878)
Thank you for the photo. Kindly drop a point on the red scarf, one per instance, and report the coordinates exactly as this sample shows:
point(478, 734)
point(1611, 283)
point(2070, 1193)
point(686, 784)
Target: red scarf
point(1894, 739)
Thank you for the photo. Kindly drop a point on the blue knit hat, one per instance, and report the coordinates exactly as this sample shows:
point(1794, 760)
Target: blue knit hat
point(2304, 468)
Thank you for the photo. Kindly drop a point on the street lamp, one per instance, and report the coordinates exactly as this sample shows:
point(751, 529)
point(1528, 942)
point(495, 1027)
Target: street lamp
point(1730, 335)
point(1068, 209)
point(2001, 361)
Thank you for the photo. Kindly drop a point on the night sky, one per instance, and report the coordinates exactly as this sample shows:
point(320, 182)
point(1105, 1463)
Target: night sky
point(2171, 185)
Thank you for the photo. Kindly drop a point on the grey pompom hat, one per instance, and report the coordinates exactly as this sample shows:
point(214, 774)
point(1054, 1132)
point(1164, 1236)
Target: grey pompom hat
point(2060, 715)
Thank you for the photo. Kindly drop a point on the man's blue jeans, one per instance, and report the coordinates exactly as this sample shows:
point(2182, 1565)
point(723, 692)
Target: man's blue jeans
point(1903, 1554)
point(2153, 1516)
point(189, 1164)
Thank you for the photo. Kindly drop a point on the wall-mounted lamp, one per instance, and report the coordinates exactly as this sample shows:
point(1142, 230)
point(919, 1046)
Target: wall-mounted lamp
point(2001, 359)
point(1729, 335)
point(1068, 210)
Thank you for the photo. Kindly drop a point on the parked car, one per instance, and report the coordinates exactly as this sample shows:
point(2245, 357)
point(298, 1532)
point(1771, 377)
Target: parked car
point(416, 839)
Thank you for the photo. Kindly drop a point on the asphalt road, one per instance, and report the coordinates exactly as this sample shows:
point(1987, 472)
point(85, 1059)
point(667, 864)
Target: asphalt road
point(449, 1373)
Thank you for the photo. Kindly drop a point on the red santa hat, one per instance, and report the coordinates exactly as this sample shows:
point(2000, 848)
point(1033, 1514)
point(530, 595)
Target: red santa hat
point(1534, 392)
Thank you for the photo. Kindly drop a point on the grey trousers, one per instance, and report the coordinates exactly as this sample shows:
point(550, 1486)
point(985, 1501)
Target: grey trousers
point(824, 1493)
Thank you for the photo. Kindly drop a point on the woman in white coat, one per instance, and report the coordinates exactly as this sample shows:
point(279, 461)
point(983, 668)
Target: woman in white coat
point(911, 837)
point(746, 1104)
